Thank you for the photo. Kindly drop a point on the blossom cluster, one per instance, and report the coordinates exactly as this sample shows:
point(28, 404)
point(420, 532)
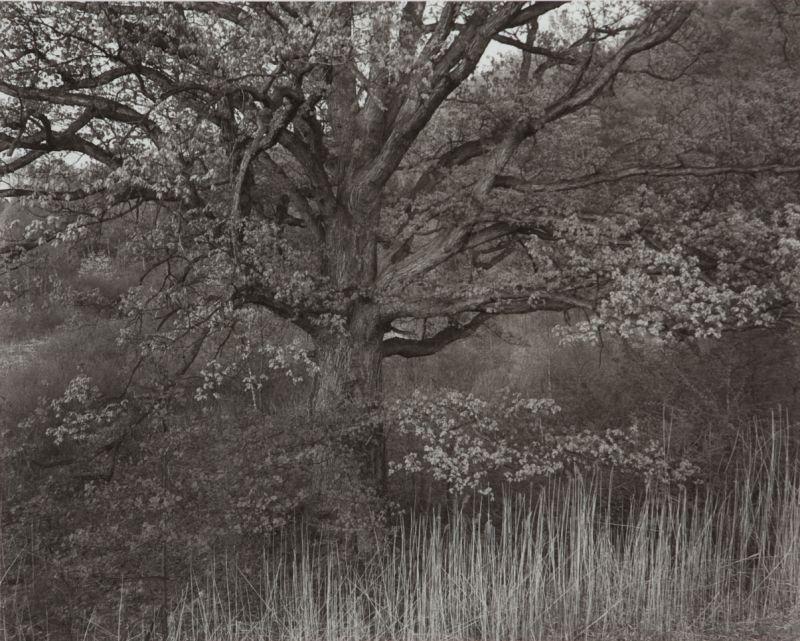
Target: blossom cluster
point(467, 442)
point(78, 415)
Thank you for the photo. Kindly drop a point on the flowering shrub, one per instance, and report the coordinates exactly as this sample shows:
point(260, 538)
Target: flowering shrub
point(78, 416)
point(132, 491)
point(463, 441)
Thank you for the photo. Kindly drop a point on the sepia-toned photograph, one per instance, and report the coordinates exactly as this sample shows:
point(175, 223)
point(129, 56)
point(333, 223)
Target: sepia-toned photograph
point(400, 321)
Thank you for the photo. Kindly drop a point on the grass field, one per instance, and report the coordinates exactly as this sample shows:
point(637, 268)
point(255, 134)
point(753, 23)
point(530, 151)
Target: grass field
point(685, 564)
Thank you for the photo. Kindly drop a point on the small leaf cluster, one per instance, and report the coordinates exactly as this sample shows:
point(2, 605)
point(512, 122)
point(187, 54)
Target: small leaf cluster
point(80, 414)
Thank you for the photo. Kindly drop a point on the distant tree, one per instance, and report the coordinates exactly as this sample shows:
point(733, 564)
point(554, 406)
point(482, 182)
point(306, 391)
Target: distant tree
point(352, 168)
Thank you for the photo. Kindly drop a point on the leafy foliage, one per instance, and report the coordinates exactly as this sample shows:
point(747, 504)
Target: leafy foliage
point(466, 443)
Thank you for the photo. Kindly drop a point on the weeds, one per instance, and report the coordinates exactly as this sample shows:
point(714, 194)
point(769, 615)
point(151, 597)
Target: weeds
point(685, 564)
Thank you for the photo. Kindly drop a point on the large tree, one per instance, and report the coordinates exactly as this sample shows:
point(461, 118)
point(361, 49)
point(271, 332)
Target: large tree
point(352, 168)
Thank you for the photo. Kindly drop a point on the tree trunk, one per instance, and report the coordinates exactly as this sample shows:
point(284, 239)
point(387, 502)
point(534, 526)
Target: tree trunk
point(349, 384)
point(348, 392)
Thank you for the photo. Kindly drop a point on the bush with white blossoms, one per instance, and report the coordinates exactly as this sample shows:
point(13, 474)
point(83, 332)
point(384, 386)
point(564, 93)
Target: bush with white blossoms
point(467, 442)
point(79, 414)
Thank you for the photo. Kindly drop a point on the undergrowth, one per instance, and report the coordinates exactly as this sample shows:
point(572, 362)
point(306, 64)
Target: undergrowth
point(562, 563)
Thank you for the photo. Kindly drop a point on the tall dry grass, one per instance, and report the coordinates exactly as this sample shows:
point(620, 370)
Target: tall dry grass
point(561, 565)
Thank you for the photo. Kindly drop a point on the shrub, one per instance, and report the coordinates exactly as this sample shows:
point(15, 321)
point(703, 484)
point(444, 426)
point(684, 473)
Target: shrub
point(466, 442)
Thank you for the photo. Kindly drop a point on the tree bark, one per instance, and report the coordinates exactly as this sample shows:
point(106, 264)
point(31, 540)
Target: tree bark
point(348, 391)
point(349, 383)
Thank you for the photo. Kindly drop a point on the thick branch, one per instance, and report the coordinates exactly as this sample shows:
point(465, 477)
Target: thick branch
point(99, 106)
point(62, 196)
point(19, 163)
point(262, 297)
point(265, 137)
point(47, 140)
point(673, 171)
point(458, 155)
point(519, 300)
point(433, 344)
point(563, 57)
